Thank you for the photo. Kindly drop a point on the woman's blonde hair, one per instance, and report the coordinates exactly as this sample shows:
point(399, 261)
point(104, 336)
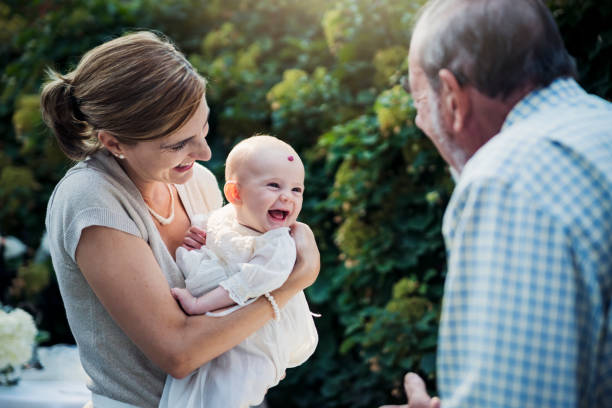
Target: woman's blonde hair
point(136, 87)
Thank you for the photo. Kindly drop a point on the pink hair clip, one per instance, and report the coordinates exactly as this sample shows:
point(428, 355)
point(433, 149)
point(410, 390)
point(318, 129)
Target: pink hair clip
point(290, 158)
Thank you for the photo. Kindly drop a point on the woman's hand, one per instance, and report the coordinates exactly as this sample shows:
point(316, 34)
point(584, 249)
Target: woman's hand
point(194, 239)
point(307, 265)
point(308, 260)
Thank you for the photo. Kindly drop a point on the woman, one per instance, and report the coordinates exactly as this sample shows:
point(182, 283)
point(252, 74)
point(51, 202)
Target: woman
point(134, 114)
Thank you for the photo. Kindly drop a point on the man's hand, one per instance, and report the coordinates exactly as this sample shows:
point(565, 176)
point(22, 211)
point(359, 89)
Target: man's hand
point(416, 393)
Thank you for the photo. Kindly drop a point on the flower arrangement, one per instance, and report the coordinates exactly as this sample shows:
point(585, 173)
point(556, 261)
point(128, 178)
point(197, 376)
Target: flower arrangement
point(17, 335)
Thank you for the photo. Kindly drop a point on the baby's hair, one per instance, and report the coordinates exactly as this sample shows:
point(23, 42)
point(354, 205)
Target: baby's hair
point(242, 151)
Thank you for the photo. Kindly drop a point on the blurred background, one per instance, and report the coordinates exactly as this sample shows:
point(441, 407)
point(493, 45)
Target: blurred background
point(323, 75)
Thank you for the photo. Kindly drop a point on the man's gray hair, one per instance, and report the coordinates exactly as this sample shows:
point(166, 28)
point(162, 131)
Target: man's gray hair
point(496, 46)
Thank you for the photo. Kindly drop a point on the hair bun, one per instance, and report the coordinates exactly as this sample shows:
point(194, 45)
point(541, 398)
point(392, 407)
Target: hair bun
point(61, 112)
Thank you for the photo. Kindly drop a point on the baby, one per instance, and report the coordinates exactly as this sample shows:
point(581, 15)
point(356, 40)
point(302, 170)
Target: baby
point(248, 253)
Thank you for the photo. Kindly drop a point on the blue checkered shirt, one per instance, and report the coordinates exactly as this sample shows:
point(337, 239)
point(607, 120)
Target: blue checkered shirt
point(526, 318)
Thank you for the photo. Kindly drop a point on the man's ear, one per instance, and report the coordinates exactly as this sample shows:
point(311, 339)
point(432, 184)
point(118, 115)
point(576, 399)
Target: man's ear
point(111, 143)
point(455, 99)
point(231, 192)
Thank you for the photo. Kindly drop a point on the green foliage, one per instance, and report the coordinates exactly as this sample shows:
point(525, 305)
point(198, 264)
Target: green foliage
point(389, 63)
point(32, 278)
point(587, 32)
point(323, 76)
point(18, 189)
point(388, 230)
point(305, 105)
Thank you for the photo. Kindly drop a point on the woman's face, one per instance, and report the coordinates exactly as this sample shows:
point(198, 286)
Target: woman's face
point(170, 159)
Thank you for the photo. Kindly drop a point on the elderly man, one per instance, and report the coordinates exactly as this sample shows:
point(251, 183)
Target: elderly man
point(527, 309)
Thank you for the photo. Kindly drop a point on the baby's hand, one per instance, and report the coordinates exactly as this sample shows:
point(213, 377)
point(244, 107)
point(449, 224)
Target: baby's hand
point(186, 299)
point(194, 239)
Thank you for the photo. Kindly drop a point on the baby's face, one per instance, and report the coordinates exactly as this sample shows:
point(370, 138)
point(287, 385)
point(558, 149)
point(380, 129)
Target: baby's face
point(271, 187)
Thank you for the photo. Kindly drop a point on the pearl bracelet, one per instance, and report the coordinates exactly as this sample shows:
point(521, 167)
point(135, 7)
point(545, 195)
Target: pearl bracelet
point(274, 305)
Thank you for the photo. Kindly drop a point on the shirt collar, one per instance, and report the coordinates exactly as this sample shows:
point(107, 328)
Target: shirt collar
point(561, 90)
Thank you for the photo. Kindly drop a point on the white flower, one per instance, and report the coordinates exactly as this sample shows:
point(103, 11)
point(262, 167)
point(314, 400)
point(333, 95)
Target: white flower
point(17, 332)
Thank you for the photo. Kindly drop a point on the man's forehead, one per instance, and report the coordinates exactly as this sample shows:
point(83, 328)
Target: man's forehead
point(417, 81)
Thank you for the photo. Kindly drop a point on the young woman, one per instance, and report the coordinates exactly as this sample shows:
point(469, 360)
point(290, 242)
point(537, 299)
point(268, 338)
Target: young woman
point(134, 115)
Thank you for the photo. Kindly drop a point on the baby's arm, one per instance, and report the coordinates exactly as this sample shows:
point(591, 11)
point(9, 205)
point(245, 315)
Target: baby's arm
point(269, 267)
point(271, 264)
point(215, 299)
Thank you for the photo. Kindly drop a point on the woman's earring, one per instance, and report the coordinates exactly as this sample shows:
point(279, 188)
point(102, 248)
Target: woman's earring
point(120, 156)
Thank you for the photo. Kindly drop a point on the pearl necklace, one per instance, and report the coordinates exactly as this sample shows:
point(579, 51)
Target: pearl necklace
point(163, 220)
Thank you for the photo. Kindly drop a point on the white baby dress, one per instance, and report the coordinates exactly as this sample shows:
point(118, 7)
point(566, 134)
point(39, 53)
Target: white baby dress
point(247, 264)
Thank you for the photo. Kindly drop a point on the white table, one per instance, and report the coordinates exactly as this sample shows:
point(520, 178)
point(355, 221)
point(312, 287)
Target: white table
point(45, 394)
point(61, 384)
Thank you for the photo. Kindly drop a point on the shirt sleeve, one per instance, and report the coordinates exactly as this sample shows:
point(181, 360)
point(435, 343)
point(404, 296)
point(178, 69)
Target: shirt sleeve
point(203, 270)
point(508, 334)
point(85, 199)
point(273, 260)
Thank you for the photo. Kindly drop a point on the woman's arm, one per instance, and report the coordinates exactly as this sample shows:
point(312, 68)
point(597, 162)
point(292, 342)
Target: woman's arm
point(122, 271)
